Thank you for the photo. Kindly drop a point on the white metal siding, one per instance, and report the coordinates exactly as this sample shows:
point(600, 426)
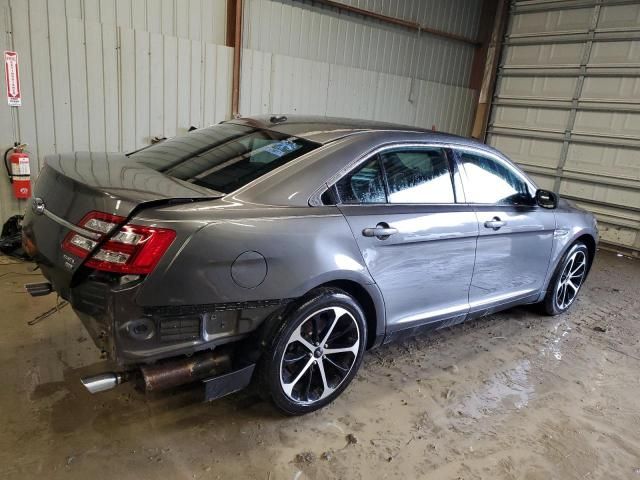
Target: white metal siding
point(567, 106)
point(315, 32)
point(112, 74)
point(280, 83)
point(302, 57)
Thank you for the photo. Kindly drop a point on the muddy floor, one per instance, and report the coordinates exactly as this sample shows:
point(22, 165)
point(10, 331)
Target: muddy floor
point(513, 396)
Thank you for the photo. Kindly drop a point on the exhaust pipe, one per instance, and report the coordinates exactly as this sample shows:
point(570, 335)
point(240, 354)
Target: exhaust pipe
point(173, 373)
point(168, 374)
point(38, 289)
point(104, 381)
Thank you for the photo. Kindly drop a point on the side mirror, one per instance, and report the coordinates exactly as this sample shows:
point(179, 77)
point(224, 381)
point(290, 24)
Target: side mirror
point(546, 199)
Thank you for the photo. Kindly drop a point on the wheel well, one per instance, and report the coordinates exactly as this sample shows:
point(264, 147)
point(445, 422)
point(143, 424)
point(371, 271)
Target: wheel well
point(590, 242)
point(358, 292)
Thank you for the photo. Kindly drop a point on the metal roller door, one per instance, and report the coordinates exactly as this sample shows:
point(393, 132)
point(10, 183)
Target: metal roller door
point(567, 106)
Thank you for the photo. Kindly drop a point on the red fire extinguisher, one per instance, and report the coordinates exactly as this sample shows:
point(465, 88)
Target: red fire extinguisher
point(19, 170)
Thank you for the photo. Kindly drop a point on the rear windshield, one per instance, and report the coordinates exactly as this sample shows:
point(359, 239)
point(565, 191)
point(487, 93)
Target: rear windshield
point(224, 157)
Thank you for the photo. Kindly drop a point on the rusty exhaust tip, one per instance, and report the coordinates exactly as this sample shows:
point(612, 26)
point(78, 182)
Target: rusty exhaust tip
point(173, 373)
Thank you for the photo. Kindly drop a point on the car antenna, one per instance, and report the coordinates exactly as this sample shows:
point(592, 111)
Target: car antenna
point(278, 119)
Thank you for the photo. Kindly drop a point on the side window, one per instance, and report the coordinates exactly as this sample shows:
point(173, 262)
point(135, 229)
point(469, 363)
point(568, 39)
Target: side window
point(489, 181)
point(364, 185)
point(418, 176)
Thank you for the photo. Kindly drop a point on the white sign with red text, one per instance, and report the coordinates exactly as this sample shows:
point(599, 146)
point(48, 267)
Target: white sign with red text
point(12, 78)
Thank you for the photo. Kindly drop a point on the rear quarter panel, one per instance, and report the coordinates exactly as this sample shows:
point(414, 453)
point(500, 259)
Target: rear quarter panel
point(302, 247)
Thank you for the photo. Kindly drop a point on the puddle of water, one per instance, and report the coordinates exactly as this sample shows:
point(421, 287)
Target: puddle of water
point(509, 389)
point(513, 389)
point(552, 348)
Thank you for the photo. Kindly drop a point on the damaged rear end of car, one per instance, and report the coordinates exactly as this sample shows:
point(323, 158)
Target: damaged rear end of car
point(92, 231)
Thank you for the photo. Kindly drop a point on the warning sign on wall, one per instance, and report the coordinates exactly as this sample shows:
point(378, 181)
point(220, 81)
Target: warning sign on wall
point(12, 79)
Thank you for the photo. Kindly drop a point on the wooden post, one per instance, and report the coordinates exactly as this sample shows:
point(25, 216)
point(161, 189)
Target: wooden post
point(234, 39)
point(492, 58)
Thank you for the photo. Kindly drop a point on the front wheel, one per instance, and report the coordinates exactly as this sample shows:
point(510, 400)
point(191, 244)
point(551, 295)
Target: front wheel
point(315, 353)
point(567, 280)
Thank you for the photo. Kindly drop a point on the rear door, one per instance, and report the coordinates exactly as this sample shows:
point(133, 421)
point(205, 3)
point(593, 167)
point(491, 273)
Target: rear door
point(417, 238)
point(515, 235)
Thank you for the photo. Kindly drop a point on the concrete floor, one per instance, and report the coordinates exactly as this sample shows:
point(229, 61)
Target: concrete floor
point(514, 396)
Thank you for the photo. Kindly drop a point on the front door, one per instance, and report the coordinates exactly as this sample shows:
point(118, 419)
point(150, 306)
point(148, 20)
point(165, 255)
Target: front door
point(418, 243)
point(515, 235)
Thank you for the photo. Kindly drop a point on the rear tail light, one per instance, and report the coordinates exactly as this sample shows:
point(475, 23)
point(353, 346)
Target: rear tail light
point(95, 226)
point(132, 249)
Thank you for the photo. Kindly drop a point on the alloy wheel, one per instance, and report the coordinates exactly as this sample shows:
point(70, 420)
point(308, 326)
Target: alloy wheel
point(319, 355)
point(571, 280)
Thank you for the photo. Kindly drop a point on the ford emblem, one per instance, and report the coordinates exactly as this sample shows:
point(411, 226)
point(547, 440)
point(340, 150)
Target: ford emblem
point(38, 206)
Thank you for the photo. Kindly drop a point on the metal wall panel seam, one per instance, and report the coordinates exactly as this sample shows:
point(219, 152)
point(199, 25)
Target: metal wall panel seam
point(551, 104)
point(53, 105)
point(582, 139)
point(572, 36)
point(86, 74)
point(26, 84)
point(202, 82)
point(6, 9)
point(11, 205)
point(119, 81)
point(42, 103)
point(546, 6)
point(580, 103)
point(601, 203)
point(598, 179)
point(586, 54)
point(149, 80)
point(104, 85)
point(553, 71)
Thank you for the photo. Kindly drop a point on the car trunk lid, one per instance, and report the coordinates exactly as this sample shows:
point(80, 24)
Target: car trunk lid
point(72, 185)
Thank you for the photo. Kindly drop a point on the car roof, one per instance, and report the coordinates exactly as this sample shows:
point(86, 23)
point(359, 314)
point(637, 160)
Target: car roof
point(324, 130)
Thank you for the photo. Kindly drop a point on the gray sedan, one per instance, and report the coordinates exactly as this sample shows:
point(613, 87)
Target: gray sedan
point(278, 249)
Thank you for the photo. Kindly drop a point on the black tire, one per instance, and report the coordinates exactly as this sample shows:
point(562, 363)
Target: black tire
point(285, 358)
point(554, 303)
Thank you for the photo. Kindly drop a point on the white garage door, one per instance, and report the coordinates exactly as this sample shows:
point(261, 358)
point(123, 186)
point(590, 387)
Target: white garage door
point(567, 106)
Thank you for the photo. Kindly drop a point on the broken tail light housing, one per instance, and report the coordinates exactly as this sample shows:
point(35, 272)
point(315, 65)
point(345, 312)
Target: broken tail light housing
point(131, 249)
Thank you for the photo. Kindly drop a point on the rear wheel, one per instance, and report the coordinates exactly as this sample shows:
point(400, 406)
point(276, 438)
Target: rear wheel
point(315, 353)
point(567, 280)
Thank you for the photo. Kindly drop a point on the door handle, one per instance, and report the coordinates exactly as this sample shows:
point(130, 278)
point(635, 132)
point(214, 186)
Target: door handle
point(382, 231)
point(494, 223)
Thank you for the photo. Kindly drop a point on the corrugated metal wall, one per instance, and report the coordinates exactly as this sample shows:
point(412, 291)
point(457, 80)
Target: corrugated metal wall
point(315, 32)
point(303, 57)
point(567, 106)
point(112, 74)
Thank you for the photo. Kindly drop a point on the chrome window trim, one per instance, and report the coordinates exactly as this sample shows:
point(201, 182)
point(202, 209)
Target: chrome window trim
point(407, 204)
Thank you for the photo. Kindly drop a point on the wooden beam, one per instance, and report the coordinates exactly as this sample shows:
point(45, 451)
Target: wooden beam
point(492, 58)
point(234, 39)
point(487, 16)
point(397, 21)
point(231, 23)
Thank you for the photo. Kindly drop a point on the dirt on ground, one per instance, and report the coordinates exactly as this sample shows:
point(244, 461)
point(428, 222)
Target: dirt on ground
point(513, 396)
